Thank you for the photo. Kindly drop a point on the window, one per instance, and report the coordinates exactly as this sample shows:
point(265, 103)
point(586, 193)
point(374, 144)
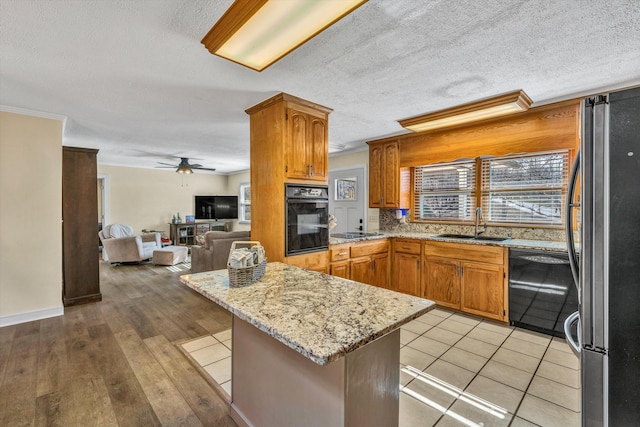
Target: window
point(445, 191)
point(526, 189)
point(244, 211)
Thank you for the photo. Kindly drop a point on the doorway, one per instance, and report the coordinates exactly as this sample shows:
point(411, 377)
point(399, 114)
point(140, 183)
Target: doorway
point(347, 194)
point(103, 199)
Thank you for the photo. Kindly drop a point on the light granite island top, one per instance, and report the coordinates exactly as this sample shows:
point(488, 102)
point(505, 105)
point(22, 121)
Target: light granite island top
point(321, 317)
point(309, 349)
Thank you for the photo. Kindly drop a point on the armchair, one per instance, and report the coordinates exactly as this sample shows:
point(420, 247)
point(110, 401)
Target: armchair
point(120, 245)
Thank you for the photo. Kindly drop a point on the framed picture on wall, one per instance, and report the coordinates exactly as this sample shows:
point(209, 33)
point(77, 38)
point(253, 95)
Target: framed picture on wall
point(346, 189)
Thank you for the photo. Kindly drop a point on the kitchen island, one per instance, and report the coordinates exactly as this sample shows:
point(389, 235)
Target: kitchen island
point(312, 349)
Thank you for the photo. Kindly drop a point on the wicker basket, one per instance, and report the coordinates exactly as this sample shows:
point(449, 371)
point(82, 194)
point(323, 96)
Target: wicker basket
point(239, 277)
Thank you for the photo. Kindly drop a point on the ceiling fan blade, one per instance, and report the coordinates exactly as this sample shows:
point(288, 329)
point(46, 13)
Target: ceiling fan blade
point(164, 167)
point(167, 164)
point(195, 165)
point(203, 169)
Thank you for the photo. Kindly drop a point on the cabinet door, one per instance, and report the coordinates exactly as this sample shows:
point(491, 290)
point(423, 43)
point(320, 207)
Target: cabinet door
point(361, 269)
point(318, 148)
point(306, 146)
point(380, 270)
point(340, 269)
point(441, 281)
point(298, 164)
point(391, 176)
point(406, 273)
point(483, 290)
point(376, 172)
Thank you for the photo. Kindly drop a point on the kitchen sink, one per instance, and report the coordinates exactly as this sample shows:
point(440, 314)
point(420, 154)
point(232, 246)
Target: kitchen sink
point(470, 237)
point(491, 238)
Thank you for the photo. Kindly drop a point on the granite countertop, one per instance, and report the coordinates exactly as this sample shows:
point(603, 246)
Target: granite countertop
point(321, 317)
point(546, 245)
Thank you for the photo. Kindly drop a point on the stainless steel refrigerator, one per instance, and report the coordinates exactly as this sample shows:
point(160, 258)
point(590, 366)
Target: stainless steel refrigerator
point(607, 269)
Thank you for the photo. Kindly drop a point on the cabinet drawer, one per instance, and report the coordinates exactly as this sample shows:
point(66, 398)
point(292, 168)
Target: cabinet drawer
point(369, 248)
point(339, 253)
point(407, 246)
point(469, 252)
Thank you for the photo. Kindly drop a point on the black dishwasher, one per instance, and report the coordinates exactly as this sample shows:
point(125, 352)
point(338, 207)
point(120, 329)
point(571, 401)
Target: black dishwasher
point(541, 290)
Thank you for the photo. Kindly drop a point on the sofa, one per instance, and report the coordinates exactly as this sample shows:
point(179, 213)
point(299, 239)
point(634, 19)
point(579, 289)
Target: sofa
point(213, 255)
point(120, 245)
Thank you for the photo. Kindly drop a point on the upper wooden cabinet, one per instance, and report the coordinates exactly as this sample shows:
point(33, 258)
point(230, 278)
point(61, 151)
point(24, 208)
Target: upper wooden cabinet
point(389, 185)
point(306, 146)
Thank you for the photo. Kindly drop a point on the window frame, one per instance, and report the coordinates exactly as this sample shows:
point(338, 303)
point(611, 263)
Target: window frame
point(480, 191)
point(243, 205)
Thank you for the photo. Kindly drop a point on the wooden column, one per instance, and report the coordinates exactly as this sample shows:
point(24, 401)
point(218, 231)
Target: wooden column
point(80, 226)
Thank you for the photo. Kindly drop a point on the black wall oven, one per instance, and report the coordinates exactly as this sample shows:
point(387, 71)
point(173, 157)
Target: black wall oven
point(307, 218)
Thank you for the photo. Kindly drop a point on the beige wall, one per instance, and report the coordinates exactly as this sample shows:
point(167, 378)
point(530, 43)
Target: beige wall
point(148, 198)
point(30, 216)
point(350, 159)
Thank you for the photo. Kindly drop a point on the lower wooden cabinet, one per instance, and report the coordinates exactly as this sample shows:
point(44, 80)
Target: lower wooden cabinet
point(441, 281)
point(316, 261)
point(365, 261)
point(470, 278)
point(483, 290)
point(406, 266)
point(466, 277)
point(340, 269)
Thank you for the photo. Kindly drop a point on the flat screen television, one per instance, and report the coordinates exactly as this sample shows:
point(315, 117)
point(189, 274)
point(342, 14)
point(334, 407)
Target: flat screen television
point(216, 207)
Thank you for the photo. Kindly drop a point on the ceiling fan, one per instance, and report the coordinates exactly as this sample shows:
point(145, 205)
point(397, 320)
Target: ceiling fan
point(185, 166)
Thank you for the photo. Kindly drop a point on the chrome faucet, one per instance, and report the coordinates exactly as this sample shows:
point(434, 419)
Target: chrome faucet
point(479, 217)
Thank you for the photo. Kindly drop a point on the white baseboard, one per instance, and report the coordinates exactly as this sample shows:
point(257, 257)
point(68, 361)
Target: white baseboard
point(30, 316)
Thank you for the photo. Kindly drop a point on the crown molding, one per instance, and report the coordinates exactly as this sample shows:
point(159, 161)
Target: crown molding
point(34, 113)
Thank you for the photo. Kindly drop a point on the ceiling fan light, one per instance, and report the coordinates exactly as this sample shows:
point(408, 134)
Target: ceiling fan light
point(501, 105)
point(184, 169)
point(257, 33)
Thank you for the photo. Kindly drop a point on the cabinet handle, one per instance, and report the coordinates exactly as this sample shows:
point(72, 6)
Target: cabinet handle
point(312, 170)
point(342, 253)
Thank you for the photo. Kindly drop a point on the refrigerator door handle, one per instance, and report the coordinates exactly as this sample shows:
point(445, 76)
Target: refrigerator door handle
point(575, 346)
point(569, 206)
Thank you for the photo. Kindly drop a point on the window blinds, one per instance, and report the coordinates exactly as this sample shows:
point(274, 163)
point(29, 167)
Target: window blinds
point(525, 188)
point(445, 191)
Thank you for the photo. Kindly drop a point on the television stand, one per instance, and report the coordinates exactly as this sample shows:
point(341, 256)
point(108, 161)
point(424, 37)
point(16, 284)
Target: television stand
point(184, 234)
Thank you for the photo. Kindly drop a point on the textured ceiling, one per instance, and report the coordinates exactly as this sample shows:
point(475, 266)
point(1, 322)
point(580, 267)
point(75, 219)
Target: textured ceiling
point(135, 82)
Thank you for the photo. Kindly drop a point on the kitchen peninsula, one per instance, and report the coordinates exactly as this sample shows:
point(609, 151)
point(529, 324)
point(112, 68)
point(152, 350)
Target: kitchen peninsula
point(312, 349)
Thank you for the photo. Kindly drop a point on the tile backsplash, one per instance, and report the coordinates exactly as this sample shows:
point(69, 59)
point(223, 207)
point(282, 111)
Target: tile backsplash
point(389, 223)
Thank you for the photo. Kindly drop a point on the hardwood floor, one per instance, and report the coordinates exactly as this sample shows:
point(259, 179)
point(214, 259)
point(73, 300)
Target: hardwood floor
point(114, 362)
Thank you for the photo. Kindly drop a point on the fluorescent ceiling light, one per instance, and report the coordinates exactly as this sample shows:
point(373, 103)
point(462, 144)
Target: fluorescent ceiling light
point(257, 33)
point(509, 103)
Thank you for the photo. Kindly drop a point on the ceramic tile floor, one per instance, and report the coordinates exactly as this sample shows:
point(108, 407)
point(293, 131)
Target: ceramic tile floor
point(460, 370)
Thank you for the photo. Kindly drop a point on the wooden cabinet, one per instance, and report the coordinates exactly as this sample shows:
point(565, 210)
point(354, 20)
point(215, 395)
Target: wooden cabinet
point(80, 261)
point(470, 278)
point(307, 146)
point(441, 281)
point(482, 290)
point(316, 261)
point(389, 185)
point(406, 266)
point(365, 261)
point(289, 144)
